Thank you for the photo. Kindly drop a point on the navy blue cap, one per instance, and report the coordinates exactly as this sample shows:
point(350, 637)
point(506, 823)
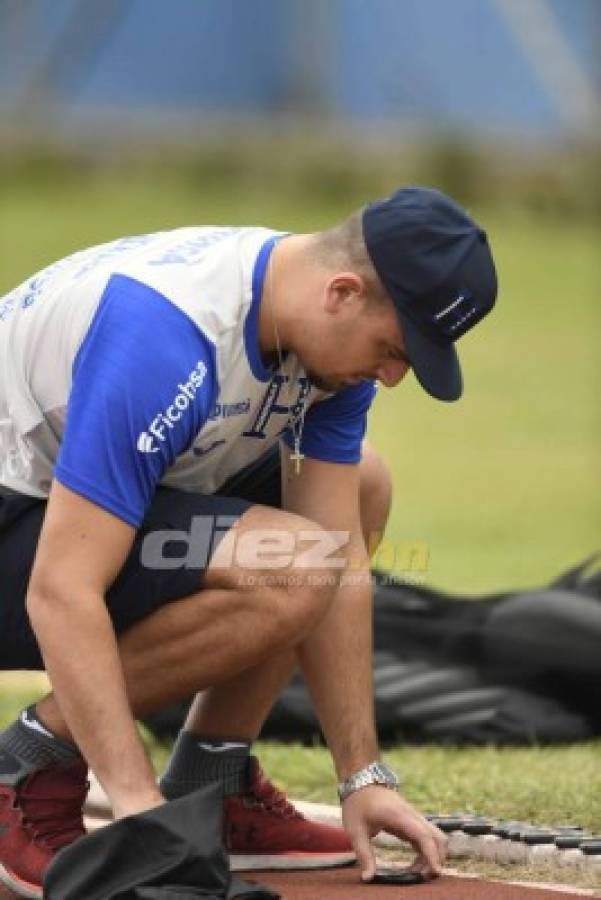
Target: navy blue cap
point(435, 263)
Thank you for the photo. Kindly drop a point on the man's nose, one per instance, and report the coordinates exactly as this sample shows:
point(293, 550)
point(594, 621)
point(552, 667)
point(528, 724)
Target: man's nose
point(391, 372)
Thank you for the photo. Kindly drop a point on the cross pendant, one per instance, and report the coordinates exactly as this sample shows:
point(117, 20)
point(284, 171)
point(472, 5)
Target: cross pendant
point(297, 457)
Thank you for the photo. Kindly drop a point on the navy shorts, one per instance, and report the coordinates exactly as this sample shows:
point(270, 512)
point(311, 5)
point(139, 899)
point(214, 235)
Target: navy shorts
point(139, 590)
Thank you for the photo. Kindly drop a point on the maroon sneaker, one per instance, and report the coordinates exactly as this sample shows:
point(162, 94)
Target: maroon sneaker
point(263, 830)
point(37, 817)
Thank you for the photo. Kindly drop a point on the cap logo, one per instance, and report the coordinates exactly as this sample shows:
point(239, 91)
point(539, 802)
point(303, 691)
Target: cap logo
point(456, 318)
point(450, 308)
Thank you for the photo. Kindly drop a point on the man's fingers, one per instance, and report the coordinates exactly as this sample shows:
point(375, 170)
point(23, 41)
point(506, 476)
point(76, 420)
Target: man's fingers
point(430, 853)
point(442, 842)
point(374, 809)
point(420, 864)
point(365, 855)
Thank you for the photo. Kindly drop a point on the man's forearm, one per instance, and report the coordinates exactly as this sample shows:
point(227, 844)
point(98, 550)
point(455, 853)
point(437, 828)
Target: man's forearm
point(81, 657)
point(336, 661)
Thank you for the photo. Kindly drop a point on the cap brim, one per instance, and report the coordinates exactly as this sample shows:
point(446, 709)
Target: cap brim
point(436, 367)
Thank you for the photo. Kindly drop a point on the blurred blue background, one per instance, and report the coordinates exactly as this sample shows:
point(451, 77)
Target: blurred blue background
point(519, 67)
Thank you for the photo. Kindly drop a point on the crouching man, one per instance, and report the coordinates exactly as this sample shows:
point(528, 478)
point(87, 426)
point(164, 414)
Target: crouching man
point(185, 498)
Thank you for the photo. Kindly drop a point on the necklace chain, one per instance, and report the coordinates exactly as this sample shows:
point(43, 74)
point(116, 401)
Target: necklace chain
point(295, 421)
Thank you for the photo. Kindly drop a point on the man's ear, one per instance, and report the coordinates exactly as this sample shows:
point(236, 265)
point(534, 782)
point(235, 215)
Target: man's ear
point(344, 292)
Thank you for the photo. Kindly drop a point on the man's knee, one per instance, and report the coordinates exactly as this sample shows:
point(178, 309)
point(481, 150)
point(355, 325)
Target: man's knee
point(272, 559)
point(375, 494)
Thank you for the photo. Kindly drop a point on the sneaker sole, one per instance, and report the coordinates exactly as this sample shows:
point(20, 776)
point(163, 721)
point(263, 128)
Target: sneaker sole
point(18, 886)
point(290, 862)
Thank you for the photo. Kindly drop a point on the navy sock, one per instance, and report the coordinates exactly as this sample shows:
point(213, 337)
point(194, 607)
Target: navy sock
point(28, 745)
point(197, 761)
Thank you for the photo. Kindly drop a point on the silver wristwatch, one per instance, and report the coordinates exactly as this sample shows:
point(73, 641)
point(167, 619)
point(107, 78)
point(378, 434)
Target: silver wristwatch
point(374, 773)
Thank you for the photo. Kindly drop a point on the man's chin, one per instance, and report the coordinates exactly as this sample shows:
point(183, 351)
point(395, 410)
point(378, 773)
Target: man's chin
point(323, 383)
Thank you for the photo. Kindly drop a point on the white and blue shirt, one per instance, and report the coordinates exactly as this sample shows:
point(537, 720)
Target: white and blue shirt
point(137, 363)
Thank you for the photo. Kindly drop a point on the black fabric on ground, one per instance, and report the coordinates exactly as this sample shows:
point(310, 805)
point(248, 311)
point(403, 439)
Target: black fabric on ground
point(173, 851)
point(509, 668)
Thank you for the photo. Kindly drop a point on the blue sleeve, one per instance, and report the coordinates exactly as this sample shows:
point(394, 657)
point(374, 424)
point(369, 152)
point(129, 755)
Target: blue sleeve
point(144, 382)
point(334, 428)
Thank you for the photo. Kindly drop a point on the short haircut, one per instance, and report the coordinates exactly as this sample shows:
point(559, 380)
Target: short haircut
point(343, 247)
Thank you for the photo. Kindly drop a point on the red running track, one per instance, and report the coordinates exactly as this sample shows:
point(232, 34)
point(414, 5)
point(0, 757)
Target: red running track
point(344, 884)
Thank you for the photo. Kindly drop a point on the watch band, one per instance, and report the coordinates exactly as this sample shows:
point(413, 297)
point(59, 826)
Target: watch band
point(375, 773)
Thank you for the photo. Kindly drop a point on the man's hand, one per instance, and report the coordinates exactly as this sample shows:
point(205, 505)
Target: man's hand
point(376, 808)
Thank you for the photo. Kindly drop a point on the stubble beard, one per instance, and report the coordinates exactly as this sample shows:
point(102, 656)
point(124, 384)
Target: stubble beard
point(323, 383)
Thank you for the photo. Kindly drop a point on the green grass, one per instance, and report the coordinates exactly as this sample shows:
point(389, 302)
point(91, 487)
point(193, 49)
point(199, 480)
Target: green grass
point(503, 487)
point(542, 785)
